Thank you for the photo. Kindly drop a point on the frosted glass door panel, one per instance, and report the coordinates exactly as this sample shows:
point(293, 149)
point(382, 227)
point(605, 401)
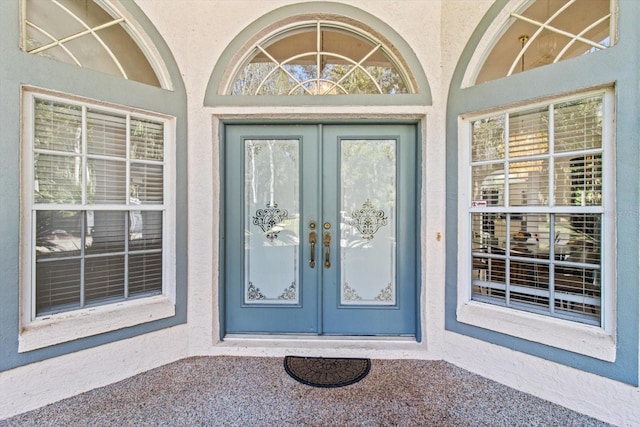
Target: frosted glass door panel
point(271, 222)
point(320, 229)
point(368, 222)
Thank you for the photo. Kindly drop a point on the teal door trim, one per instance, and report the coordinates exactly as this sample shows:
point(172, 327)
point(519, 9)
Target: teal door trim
point(413, 229)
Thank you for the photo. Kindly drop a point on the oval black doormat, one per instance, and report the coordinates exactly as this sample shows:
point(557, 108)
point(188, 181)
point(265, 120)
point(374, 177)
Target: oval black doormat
point(326, 371)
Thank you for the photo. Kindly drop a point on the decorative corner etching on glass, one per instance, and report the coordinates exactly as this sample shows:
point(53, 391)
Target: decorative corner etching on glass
point(368, 219)
point(269, 220)
point(368, 230)
point(289, 294)
point(350, 295)
point(271, 239)
point(254, 293)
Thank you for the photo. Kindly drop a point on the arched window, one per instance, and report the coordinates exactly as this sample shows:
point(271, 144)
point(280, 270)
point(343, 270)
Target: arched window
point(543, 32)
point(102, 108)
point(298, 54)
point(320, 58)
point(539, 163)
point(86, 34)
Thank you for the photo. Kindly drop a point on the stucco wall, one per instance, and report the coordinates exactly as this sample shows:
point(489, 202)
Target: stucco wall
point(213, 25)
point(197, 32)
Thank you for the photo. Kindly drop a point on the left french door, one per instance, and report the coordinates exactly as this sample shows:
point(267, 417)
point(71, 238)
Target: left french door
point(320, 229)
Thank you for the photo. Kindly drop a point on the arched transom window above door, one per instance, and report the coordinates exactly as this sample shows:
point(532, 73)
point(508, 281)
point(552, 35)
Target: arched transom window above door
point(321, 57)
point(542, 32)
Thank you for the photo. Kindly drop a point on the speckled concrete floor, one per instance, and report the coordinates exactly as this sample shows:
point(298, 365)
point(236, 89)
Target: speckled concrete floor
point(234, 391)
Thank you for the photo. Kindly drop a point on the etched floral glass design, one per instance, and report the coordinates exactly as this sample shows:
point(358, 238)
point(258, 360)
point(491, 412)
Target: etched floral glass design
point(368, 222)
point(272, 214)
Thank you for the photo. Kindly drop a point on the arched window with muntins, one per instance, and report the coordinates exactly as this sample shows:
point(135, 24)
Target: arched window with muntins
point(101, 108)
point(539, 160)
point(300, 53)
point(89, 34)
point(542, 32)
point(320, 57)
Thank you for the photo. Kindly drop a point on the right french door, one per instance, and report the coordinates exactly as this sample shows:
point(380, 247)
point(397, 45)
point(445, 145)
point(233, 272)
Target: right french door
point(321, 231)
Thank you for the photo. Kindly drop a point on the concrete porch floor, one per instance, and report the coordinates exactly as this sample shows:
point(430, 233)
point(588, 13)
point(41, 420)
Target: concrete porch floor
point(251, 391)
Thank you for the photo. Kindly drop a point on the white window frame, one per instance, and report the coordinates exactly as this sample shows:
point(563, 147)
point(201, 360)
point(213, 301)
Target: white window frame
point(594, 341)
point(43, 331)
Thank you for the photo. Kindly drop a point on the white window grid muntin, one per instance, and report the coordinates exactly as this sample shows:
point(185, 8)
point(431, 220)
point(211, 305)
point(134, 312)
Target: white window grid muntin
point(88, 30)
point(545, 25)
point(166, 208)
point(605, 209)
point(288, 30)
point(120, 17)
point(501, 24)
point(144, 42)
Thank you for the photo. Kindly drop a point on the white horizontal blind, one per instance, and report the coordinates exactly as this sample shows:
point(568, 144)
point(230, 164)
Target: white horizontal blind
point(537, 209)
point(98, 207)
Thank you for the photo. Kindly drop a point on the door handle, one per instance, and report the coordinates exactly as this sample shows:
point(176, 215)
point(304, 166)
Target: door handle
point(313, 236)
point(326, 239)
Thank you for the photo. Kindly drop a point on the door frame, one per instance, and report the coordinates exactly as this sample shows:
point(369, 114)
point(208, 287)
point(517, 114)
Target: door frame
point(224, 122)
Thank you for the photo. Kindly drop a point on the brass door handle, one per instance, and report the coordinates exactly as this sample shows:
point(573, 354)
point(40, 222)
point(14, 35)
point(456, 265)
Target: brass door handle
point(326, 240)
point(313, 236)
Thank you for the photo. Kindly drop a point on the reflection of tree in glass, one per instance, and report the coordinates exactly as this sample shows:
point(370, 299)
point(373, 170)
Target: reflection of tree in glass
point(58, 162)
point(147, 140)
point(268, 79)
point(58, 176)
point(250, 80)
point(375, 80)
point(577, 127)
point(488, 138)
point(368, 167)
point(271, 166)
point(578, 124)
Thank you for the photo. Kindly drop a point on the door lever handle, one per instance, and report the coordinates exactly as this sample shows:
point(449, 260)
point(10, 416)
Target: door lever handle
point(313, 236)
point(326, 239)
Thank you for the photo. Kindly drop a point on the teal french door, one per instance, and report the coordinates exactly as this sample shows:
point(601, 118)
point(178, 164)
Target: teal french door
point(320, 229)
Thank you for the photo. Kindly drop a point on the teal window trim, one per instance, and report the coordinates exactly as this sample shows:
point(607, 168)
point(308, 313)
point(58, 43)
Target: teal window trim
point(56, 77)
point(616, 66)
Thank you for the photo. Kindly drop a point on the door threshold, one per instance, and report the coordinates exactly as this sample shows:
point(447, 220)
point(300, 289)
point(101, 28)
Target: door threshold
point(378, 347)
point(320, 338)
point(314, 337)
point(375, 347)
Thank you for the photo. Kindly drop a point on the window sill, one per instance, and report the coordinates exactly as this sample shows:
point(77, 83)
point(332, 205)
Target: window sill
point(588, 340)
point(65, 327)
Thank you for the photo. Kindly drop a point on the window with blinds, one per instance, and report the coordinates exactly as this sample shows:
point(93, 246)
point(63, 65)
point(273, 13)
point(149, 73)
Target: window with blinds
point(98, 205)
point(537, 208)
